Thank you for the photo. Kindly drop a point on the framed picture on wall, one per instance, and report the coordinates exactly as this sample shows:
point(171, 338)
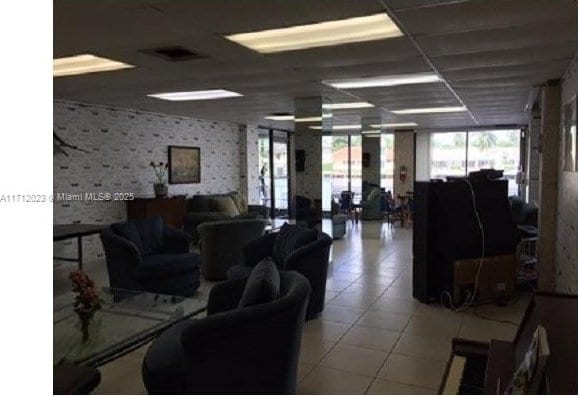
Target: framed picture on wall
point(184, 165)
point(570, 143)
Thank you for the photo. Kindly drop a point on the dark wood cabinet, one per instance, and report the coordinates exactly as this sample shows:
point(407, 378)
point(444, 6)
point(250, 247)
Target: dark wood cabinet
point(172, 210)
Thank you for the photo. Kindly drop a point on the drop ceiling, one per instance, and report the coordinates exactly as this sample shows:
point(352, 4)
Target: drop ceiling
point(490, 53)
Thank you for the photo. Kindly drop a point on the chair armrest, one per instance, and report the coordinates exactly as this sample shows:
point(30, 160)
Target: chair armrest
point(262, 210)
point(258, 249)
point(120, 250)
point(259, 344)
point(303, 258)
point(193, 219)
point(175, 240)
point(225, 296)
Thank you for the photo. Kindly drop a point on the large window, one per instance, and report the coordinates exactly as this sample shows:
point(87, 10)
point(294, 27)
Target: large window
point(387, 166)
point(355, 161)
point(498, 150)
point(448, 154)
point(459, 153)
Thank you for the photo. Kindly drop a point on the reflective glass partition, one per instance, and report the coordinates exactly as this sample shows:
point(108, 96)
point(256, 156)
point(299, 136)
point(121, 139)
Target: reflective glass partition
point(387, 157)
point(355, 167)
point(341, 164)
point(326, 172)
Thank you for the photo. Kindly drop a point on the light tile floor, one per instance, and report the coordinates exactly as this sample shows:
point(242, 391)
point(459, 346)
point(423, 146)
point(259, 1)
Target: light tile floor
point(372, 337)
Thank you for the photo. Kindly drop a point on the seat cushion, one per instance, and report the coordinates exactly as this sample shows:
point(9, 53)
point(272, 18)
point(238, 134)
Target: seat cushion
point(157, 266)
point(291, 237)
point(262, 286)
point(146, 234)
point(224, 205)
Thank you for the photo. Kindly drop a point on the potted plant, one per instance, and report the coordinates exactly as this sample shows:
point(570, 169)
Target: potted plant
point(160, 187)
point(86, 302)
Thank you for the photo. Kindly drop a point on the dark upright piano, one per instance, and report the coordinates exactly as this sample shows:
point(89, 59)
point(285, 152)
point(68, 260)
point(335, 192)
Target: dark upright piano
point(487, 368)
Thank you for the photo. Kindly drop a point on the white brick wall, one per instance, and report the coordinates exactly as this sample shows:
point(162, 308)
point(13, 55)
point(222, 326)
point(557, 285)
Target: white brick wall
point(121, 144)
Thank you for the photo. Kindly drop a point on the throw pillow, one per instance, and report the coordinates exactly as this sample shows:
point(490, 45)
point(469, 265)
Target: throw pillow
point(225, 205)
point(290, 238)
point(263, 285)
point(240, 202)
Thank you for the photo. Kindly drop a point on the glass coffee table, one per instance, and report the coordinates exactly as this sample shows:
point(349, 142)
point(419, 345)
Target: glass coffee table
point(127, 320)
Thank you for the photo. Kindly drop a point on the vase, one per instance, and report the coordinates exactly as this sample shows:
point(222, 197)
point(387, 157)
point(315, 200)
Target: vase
point(85, 316)
point(161, 190)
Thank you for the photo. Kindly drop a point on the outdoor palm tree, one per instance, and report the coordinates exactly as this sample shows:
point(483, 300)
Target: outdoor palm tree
point(485, 140)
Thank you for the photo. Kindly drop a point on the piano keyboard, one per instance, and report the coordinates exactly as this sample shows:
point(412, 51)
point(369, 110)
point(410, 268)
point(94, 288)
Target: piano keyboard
point(466, 375)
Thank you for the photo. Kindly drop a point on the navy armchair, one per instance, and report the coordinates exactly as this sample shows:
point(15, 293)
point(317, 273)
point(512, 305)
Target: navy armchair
point(292, 249)
point(147, 255)
point(249, 350)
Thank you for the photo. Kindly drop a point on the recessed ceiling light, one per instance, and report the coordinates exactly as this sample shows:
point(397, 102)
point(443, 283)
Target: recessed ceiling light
point(337, 127)
point(395, 125)
point(196, 95)
point(322, 34)
point(452, 109)
point(371, 132)
point(384, 81)
point(350, 105)
point(287, 117)
point(85, 63)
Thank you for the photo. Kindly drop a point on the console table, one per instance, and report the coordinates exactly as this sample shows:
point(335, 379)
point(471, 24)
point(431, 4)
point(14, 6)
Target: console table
point(172, 210)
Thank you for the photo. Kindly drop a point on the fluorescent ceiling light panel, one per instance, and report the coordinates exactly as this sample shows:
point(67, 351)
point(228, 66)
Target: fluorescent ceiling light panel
point(371, 132)
point(313, 119)
point(85, 63)
point(195, 95)
point(338, 127)
point(287, 117)
point(350, 105)
point(322, 34)
point(431, 110)
point(384, 81)
point(395, 125)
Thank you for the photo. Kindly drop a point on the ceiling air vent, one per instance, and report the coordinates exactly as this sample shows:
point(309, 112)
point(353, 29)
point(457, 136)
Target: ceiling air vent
point(174, 54)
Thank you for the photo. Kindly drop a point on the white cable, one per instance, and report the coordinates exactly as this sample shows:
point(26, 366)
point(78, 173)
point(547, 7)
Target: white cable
point(470, 299)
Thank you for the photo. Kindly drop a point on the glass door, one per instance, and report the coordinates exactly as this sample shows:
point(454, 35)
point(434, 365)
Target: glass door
point(264, 169)
point(274, 171)
point(280, 174)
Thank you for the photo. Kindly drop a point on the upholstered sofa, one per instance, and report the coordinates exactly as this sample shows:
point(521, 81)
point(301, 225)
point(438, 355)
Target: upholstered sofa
point(293, 248)
point(145, 254)
point(233, 205)
point(222, 244)
point(234, 350)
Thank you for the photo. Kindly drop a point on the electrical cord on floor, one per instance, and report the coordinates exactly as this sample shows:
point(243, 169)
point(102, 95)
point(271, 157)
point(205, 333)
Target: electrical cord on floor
point(471, 296)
